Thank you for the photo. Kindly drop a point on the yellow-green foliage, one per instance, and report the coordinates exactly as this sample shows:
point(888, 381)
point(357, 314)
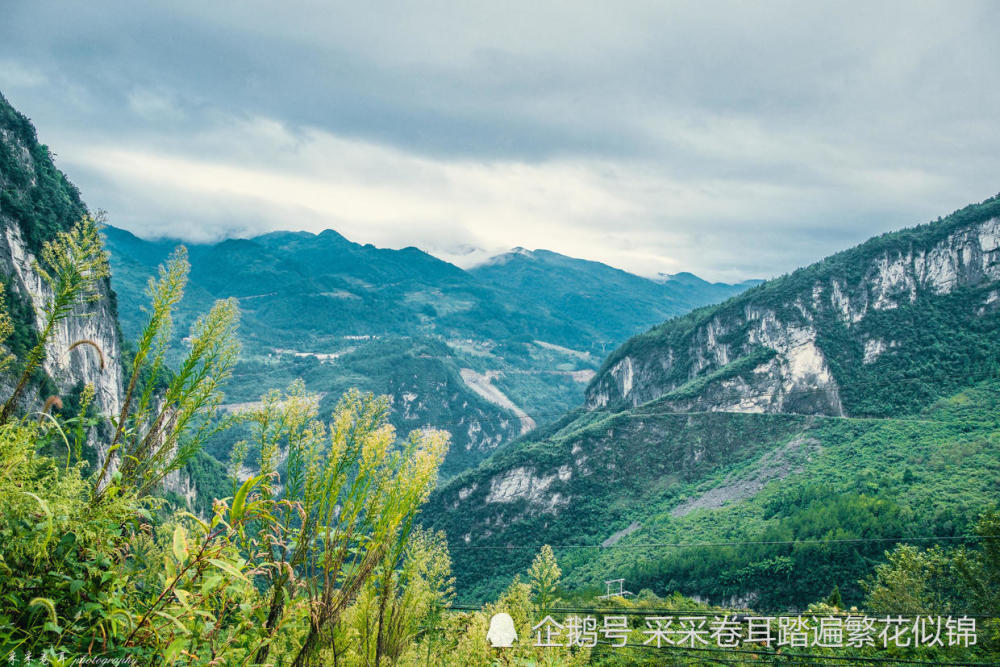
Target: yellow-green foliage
point(397, 616)
point(466, 642)
point(349, 501)
point(544, 576)
point(157, 432)
point(55, 550)
point(89, 570)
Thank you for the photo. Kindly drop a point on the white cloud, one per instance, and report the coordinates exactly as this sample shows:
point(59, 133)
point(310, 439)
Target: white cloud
point(734, 140)
point(14, 74)
point(154, 106)
point(631, 213)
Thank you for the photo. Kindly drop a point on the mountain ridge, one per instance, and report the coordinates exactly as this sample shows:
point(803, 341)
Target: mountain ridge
point(786, 312)
point(507, 350)
point(769, 399)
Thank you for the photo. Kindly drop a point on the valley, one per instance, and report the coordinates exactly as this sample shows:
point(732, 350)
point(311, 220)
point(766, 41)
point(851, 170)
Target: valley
point(479, 334)
point(486, 354)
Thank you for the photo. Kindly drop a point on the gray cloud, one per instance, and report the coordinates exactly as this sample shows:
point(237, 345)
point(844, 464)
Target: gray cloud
point(731, 139)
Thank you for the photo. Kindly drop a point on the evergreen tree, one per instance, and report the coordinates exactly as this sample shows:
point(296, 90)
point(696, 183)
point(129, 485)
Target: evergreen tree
point(544, 575)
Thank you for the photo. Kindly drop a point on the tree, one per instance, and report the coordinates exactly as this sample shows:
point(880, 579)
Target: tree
point(544, 575)
point(835, 600)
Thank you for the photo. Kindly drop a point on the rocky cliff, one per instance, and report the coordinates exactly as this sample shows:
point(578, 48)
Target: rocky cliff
point(37, 202)
point(792, 344)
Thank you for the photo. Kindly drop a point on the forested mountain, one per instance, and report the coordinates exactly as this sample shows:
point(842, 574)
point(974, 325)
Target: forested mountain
point(853, 398)
point(485, 354)
point(599, 300)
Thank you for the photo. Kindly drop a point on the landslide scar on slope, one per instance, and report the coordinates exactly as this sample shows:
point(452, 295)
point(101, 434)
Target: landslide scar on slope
point(776, 464)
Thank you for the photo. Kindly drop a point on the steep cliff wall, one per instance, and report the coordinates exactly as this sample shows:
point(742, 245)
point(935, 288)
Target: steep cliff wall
point(37, 202)
point(95, 322)
point(821, 323)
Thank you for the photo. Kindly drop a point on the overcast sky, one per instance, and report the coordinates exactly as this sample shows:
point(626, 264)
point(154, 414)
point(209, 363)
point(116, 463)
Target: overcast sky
point(734, 140)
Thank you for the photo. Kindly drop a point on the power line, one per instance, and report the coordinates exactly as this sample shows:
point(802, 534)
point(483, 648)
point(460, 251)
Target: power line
point(734, 614)
point(697, 545)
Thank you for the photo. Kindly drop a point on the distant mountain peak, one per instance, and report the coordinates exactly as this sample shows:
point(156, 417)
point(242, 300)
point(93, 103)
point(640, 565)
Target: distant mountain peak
point(510, 255)
point(685, 277)
point(520, 252)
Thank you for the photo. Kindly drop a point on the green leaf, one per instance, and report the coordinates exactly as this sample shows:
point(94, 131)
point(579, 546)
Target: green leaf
point(182, 597)
point(228, 568)
point(169, 567)
point(174, 620)
point(180, 543)
point(209, 583)
point(48, 516)
point(239, 501)
point(173, 651)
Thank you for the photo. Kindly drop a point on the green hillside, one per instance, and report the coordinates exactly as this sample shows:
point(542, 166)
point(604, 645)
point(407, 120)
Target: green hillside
point(718, 478)
point(771, 421)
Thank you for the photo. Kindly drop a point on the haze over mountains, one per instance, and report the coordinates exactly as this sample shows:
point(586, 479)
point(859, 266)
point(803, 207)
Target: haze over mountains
point(485, 353)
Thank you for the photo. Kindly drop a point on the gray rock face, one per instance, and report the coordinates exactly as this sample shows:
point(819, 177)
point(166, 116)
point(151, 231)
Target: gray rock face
point(95, 321)
point(27, 176)
point(798, 378)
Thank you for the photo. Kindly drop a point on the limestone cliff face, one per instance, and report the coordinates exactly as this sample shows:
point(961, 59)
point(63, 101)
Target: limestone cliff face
point(36, 202)
point(709, 360)
point(93, 321)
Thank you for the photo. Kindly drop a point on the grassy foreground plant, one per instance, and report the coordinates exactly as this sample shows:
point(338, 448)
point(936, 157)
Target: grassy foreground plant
point(89, 568)
point(351, 493)
point(161, 427)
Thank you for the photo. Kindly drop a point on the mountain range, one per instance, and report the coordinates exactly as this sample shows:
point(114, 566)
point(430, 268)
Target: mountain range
point(486, 354)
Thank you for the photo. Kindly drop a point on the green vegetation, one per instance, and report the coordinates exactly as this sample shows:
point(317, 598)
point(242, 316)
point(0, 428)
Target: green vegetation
point(92, 568)
point(311, 559)
point(399, 322)
point(783, 478)
point(36, 195)
point(321, 543)
point(767, 511)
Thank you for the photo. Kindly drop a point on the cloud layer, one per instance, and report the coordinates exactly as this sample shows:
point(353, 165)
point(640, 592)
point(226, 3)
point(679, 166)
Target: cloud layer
point(730, 139)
